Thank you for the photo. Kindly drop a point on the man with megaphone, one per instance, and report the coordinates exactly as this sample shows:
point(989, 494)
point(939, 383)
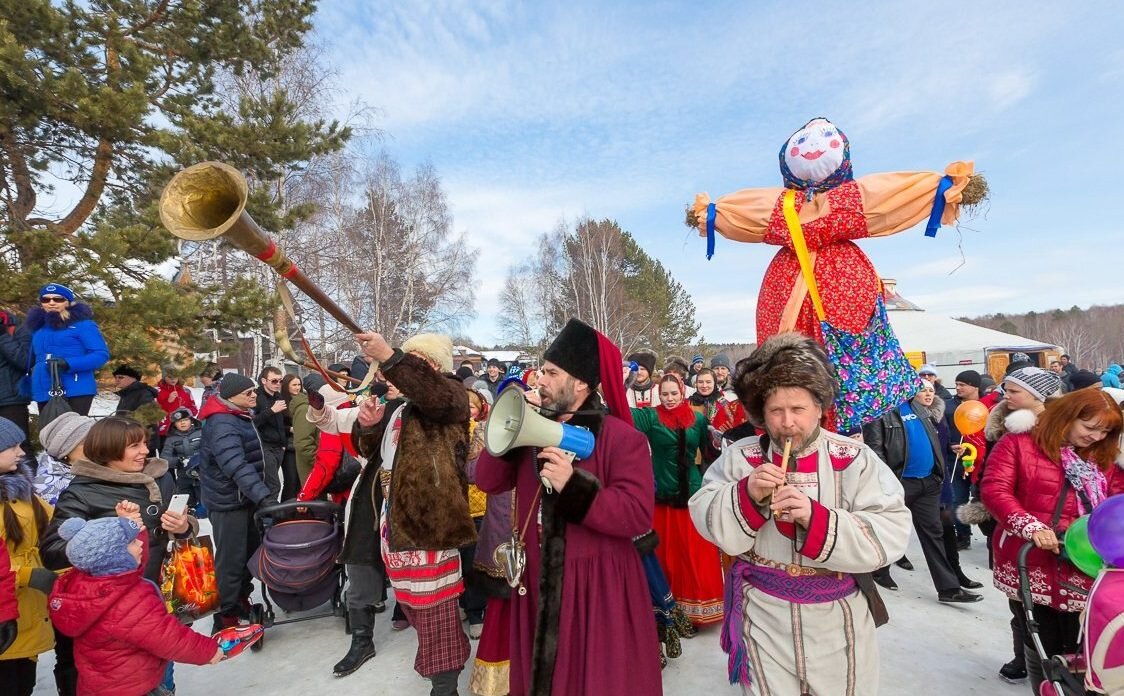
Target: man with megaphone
point(581, 618)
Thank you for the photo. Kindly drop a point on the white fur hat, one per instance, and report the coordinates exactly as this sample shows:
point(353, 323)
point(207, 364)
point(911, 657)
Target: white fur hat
point(436, 347)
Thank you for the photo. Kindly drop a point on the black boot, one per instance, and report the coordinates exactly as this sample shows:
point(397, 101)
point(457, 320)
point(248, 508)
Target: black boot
point(362, 647)
point(444, 683)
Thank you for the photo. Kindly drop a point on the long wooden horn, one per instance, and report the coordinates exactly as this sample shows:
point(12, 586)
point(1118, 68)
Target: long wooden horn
point(208, 200)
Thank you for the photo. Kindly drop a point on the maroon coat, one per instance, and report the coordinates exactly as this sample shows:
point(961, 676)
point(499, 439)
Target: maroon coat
point(124, 636)
point(600, 621)
point(1021, 490)
point(9, 607)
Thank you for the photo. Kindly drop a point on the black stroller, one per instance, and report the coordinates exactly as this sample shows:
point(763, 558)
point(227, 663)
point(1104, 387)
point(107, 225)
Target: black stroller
point(1064, 673)
point(296, 562)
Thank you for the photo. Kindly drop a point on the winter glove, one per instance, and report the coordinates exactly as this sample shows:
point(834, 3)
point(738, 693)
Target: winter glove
point(42, 580)
point(62, 364)
point(315, 400)
point(8, 631)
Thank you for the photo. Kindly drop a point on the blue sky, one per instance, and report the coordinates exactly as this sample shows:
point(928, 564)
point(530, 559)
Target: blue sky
point(533, 112)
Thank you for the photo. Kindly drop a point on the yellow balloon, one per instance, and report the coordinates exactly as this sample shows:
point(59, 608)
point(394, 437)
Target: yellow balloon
point(970, 417)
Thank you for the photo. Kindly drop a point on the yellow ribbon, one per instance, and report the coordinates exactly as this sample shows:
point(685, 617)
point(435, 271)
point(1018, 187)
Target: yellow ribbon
point(789, 207)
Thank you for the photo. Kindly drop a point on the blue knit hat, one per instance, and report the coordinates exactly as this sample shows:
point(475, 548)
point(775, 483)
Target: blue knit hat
point(57, 289)
point(100, 547)
point(697, 359)
point(10, 434)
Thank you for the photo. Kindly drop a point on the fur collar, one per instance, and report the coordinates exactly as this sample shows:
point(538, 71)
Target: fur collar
point(37, 317)
point(17, 485)
point(934, 411)
point(154, 468)
point(1003, 419)
point(590, 421)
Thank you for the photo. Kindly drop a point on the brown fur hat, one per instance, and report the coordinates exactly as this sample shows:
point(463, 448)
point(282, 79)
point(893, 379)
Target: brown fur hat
point(785, 360)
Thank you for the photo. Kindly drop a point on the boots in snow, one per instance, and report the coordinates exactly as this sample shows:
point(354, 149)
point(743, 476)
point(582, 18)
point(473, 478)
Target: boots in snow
point(445, 683)
point(362, 646)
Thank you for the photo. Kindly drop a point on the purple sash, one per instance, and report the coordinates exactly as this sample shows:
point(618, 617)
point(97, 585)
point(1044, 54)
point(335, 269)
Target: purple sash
point(804, 589)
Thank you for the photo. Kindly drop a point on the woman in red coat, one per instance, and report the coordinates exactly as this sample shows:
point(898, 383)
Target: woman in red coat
point(1037, 484)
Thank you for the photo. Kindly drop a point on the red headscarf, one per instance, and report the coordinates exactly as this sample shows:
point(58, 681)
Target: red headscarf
point(682, 416)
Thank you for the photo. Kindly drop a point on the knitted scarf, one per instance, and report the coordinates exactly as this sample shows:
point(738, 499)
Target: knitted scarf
point(708, 403)
point(1085, 478)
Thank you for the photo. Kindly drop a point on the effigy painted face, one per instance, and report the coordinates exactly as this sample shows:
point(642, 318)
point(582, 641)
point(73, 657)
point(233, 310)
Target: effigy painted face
point(815, 151)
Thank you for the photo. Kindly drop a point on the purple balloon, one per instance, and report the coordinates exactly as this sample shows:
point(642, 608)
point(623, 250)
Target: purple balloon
point(1106, 530)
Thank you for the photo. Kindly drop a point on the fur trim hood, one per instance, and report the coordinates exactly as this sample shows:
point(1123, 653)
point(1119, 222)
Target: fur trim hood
point(785, 360)
point(17, 485)
point(1003, 419)
point(37, 317)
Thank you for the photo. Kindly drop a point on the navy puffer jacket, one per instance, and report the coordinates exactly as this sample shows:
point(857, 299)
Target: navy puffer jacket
point(231, 461)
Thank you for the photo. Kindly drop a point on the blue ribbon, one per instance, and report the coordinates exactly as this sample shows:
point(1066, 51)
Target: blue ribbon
point(711, 214)
point(934, 223)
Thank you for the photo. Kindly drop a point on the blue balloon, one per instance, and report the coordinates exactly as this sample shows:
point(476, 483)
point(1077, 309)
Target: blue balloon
point(1106, 530)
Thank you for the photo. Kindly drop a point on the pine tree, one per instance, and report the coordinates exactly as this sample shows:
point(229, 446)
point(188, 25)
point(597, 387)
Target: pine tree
point(100, 102)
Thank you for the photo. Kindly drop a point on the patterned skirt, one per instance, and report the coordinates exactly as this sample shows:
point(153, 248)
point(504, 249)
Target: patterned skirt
point(692, 565)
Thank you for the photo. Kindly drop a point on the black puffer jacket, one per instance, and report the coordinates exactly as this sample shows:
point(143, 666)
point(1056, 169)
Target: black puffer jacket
point(95, 492)
point(231, 461)
point(179, 446)
point(14, 350)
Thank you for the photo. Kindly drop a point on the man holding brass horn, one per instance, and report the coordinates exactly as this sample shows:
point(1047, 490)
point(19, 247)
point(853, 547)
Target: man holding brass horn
point(421, 449)
point(581, 621)
point(807, 514)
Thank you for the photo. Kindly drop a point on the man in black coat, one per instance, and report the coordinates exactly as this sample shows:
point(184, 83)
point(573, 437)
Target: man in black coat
point(269, 419)
point(133, 392)
point(233, 485)
point(15, 345)
point(906, 439)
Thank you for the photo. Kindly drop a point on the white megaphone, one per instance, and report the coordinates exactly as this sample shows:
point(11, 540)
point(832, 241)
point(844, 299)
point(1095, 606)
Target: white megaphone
point(514, 423)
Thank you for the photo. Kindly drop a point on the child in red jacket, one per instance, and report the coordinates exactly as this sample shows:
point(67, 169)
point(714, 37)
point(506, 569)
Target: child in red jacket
point(124, 636)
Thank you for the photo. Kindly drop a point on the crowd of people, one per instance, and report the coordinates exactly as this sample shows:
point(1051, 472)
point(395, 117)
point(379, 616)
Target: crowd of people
point(716, 493)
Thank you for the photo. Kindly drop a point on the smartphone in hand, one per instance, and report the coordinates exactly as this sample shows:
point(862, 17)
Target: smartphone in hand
point(178, 504)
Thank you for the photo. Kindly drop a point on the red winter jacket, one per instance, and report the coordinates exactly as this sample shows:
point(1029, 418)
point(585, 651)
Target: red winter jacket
point(9, 607)
point(1021, 490)
point(124, 636)
point(170, 397)
point(329, 455)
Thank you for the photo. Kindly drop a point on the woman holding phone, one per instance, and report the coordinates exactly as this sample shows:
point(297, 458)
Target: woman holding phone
point(115, 478)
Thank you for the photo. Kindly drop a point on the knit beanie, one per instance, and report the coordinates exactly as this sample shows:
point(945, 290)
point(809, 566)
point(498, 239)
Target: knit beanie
point(697, 359)
point(927, 369)
point(100, 547)
point(313, 381)
point(10, 434)
point(64, 433)
point(1040, 383)
point(435, 347)
point(57, 289)
point(720, 360)
point(234, 384)
point(969, 377)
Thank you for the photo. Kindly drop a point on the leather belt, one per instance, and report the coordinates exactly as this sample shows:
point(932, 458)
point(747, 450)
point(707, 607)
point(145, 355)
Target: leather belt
point(794, 569)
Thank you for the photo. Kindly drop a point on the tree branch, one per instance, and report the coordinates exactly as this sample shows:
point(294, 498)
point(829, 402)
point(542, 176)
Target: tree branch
point(148, 21)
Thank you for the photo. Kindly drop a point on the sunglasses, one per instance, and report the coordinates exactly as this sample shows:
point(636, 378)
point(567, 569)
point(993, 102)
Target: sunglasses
point(273, 381)
point(248, 392)
point(50, 299)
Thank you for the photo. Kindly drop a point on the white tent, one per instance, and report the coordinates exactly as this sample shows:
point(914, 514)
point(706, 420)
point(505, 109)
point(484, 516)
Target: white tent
point(953, 345)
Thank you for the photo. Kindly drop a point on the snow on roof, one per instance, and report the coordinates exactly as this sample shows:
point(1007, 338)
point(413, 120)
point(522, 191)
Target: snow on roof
point(919, 330)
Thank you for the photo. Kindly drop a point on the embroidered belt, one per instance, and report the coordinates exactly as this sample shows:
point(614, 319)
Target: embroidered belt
point(794, 569)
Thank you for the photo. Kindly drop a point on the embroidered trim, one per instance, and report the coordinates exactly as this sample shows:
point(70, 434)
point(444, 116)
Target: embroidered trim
point(1024, 524)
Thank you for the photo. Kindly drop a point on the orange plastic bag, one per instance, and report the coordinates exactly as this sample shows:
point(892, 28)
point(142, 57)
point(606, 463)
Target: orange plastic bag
point(188, 580)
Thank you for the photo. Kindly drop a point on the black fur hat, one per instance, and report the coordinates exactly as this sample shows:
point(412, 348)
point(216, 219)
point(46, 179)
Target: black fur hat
point(785, 360)
point(575, 351)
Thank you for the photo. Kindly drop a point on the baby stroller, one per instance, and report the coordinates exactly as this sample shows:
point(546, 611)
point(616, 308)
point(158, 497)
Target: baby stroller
point(296, 562)
point(1064, 673)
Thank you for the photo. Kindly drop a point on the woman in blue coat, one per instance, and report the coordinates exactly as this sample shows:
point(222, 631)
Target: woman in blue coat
point(64, 331)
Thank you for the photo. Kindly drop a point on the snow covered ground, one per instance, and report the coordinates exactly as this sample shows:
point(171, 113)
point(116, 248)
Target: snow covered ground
point(928, 649)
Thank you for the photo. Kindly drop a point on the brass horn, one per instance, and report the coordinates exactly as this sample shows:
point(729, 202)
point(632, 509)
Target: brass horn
point(208, 200)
